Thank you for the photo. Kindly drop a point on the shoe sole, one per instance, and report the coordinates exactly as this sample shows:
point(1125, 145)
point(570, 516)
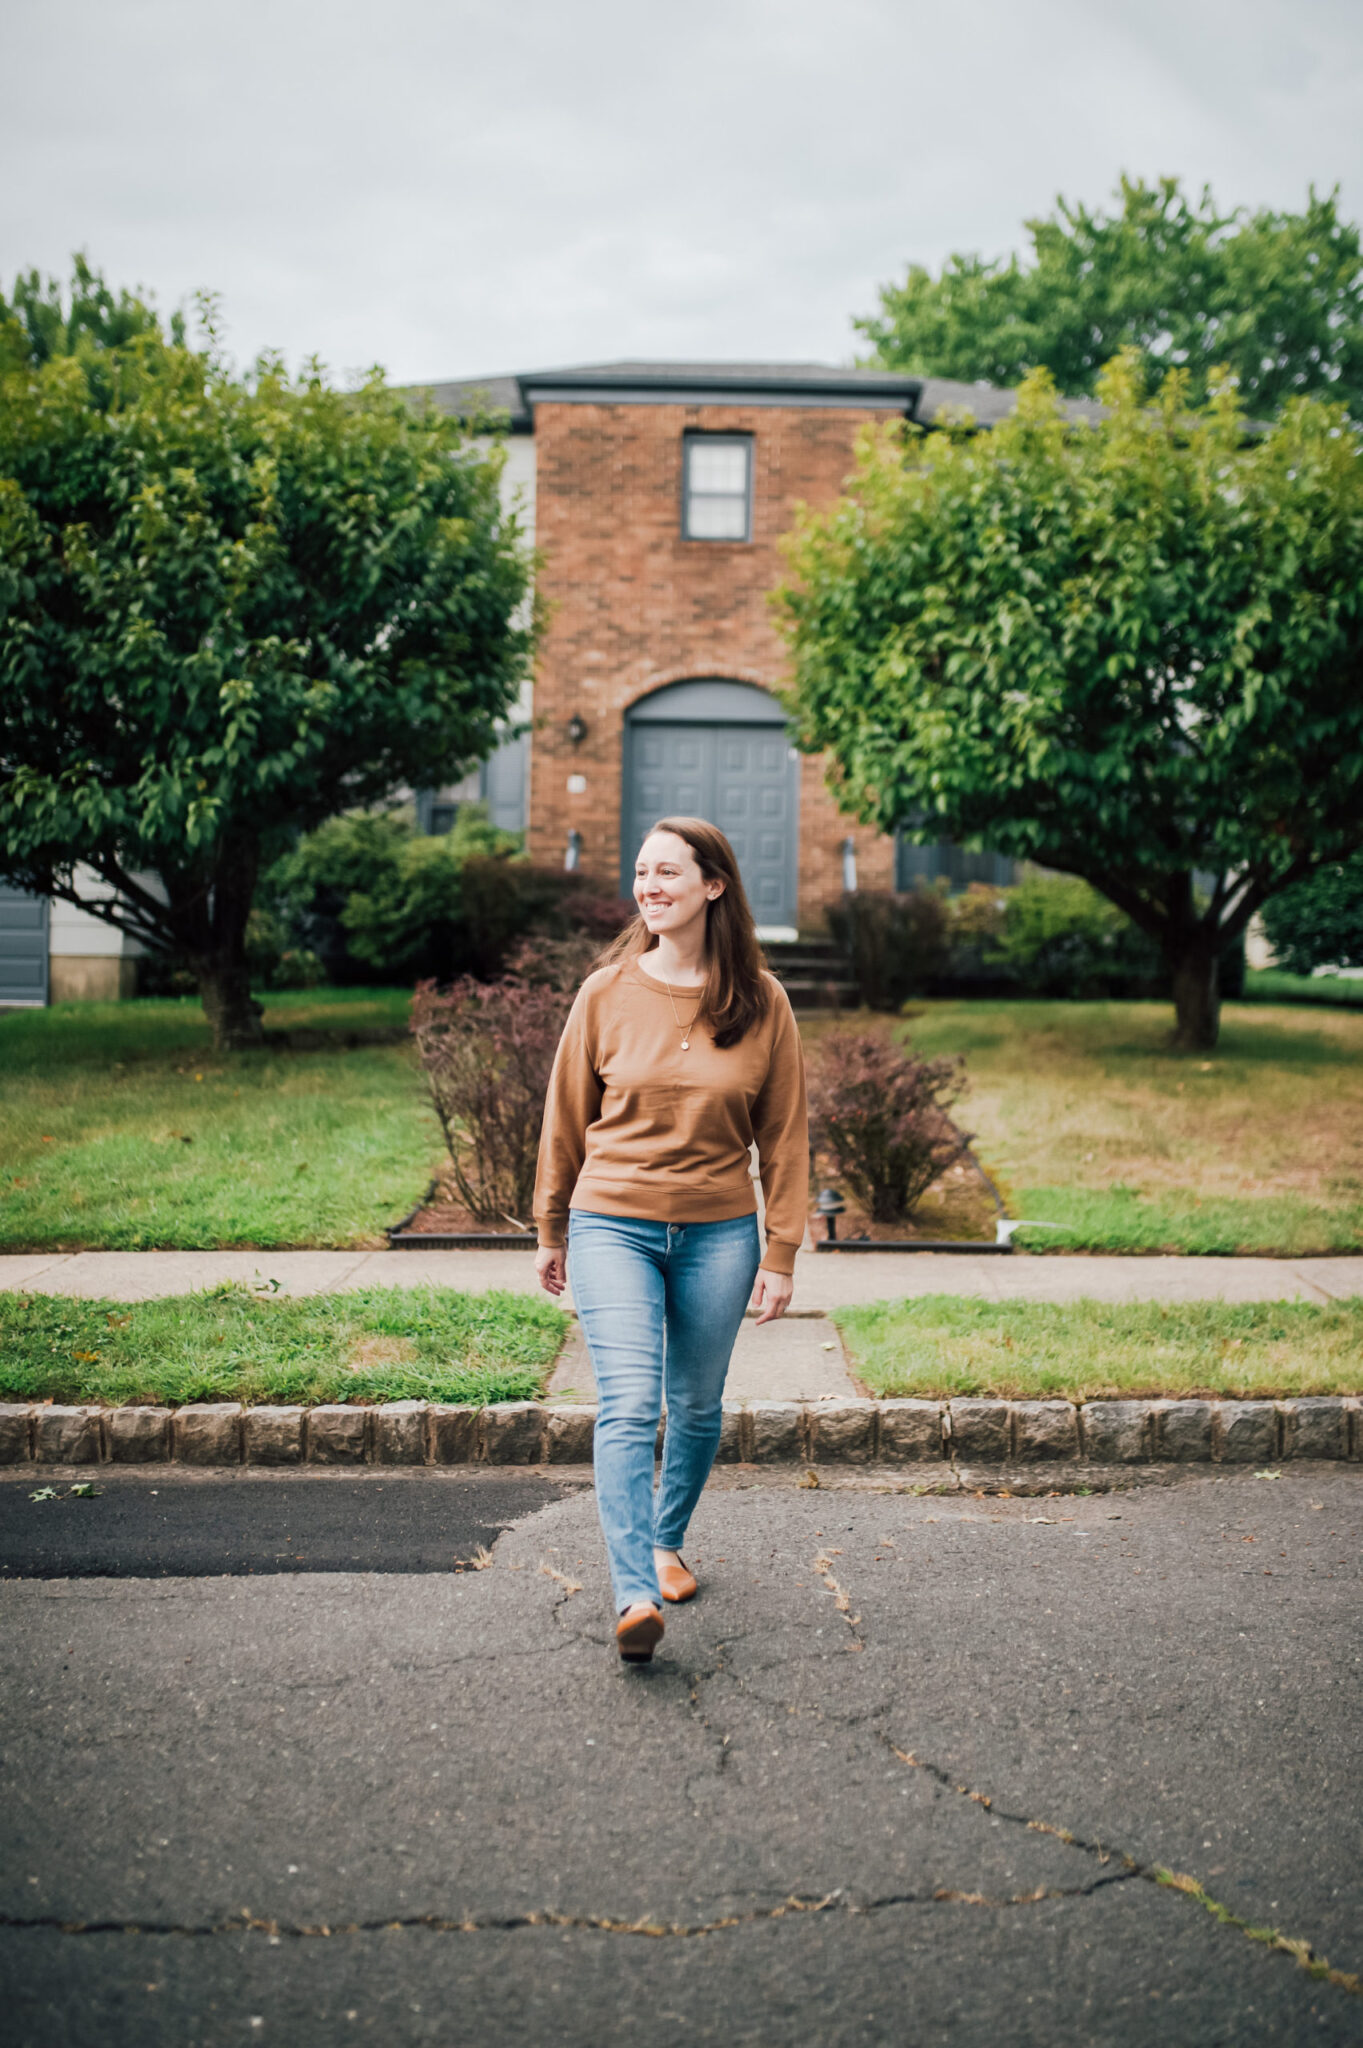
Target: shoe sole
point(637, 1643)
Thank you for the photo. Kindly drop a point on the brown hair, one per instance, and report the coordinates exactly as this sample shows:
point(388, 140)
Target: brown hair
point(736, 993)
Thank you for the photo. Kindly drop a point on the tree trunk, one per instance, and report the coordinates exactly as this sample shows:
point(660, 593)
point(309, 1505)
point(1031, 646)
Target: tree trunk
point(1195, 967)
point(231, 1009)
point(220, 966)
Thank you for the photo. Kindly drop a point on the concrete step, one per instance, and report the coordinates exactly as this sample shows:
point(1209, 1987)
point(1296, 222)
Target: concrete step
point(815, 974)
point(820, 995)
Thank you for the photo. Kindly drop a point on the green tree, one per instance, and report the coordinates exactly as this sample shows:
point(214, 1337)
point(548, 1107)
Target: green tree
point(1132, 651)
point(1275, 297)
point(229, 608)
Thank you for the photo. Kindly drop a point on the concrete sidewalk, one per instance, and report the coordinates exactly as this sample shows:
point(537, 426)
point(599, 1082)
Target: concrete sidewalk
point(822, 1281)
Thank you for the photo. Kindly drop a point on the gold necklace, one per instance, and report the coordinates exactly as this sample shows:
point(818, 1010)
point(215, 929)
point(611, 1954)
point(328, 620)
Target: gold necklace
point(685, 1029)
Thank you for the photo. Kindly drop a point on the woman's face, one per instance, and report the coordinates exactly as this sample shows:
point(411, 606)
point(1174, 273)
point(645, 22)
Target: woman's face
point(669, 887)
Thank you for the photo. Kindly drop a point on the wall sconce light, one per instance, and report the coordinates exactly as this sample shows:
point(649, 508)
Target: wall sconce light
point(577, 729)
point(573, 852)
point(849, 865)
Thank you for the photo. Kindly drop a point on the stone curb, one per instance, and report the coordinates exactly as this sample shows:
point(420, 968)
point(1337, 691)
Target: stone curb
point(829, 1431)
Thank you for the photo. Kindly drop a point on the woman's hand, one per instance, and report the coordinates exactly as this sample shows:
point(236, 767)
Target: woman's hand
point(771, 1295)
point(551, 1268)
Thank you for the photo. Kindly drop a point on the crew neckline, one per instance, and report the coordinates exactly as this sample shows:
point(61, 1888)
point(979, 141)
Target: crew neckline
point(679, 988)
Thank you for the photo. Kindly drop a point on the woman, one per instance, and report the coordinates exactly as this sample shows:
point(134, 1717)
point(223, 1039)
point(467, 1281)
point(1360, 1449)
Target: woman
point(680, 1050)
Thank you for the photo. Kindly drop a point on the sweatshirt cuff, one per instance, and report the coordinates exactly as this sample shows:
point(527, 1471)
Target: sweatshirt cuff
point(553, 1237)
point(779, 1257)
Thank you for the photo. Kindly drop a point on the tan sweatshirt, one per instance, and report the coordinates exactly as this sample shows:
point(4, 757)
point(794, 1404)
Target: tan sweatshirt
point(634, 1126)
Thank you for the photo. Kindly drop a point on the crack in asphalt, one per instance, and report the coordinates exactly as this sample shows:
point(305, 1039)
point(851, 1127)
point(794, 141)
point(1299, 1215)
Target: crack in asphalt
point(1130, 1868)
point(1124, 1869)
point(839, 1901)
point(1301, 1951)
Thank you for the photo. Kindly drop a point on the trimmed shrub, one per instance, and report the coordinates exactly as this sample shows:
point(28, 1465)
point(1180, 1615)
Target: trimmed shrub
point(273, 963)
point(599, 917)
point(1059, 937)
point(556, 963)
point(486, 1049)
point(896, 943)
point(377, 901)
point(880, 1116)
point(1319, 922)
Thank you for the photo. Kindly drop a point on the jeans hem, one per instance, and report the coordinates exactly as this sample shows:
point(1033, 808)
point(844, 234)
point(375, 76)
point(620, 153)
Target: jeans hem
point(653, 1599)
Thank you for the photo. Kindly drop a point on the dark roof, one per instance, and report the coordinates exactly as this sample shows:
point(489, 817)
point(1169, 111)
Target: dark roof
point(922, 399)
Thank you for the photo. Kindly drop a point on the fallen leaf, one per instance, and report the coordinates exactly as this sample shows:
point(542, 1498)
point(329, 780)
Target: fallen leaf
point(1268, 1475)
point(810, 1479)
point(86, 1490)
point(44, 1493)
point(86, 1357)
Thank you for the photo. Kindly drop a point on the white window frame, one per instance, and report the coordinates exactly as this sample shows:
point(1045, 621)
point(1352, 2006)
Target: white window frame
point(695, 439)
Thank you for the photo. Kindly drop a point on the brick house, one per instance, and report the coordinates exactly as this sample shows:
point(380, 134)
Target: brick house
point(657, 495)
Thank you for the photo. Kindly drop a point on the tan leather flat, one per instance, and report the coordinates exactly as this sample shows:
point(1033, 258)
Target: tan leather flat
point(676, 1582)
point(638, 1633)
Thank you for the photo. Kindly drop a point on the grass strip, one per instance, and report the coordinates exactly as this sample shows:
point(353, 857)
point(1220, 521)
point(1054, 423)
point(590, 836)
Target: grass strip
point(941, 1345)
point(234, 1344)
point(1119, 1219)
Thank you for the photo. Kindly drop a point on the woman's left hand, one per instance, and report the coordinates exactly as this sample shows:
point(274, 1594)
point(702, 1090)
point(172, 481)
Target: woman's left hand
point(771, 1295)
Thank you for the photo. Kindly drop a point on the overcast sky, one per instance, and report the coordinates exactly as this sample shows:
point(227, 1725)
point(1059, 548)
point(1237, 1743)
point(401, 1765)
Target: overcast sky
point(458, 187)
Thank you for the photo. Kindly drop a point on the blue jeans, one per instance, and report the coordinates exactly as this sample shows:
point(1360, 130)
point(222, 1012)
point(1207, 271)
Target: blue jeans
point(660, 1305)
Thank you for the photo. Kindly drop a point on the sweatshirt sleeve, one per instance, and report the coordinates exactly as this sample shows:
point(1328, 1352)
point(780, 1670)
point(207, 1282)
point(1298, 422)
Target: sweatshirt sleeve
point(780, 1122)
point(573, 1102)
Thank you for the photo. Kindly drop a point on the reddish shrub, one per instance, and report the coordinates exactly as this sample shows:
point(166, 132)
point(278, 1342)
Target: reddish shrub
point(599, 916)
point(486, 1049)
point(896, 943)
point(880, 1117)
point(561, 963)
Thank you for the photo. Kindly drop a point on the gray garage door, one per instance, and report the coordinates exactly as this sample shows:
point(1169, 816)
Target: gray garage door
point(23, 947)
point(743, 777)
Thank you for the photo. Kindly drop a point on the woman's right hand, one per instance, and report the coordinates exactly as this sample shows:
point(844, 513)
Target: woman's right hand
point(551, 1268)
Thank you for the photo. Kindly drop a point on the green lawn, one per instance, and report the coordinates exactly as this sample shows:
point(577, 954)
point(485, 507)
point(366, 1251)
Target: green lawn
point(122, 1129)
point(377, 1344)
point(940, 1345)
point(1087, 1120)
point(1271, 985)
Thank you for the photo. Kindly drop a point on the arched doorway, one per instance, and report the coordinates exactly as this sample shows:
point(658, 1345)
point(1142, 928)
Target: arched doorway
point(719, 750)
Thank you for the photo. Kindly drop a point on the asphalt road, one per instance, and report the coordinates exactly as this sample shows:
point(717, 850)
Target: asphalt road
point(906, 1772)
point(142, 1525)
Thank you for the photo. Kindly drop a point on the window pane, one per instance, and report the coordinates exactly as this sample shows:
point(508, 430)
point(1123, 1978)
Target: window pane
point(717, 519)
point(719, 466)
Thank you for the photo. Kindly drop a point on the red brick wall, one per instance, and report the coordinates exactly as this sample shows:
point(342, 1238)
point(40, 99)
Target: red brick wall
point(632, 606)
